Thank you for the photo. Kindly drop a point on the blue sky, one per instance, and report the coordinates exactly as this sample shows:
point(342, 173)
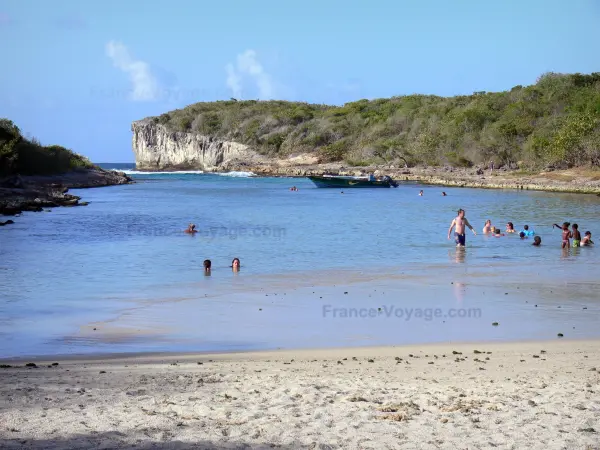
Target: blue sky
point(77, 73)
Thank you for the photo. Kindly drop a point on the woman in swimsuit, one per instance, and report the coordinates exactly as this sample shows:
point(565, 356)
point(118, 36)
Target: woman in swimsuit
point(587, 239)
point(510, 228)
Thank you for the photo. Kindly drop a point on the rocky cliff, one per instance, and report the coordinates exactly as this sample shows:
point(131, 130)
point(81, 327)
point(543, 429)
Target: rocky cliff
point(157, 148)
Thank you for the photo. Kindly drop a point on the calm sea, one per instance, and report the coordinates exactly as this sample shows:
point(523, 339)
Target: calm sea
point(320, 268)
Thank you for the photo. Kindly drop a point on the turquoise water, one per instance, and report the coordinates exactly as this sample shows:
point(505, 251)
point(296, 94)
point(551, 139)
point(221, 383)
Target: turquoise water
point(123, 265)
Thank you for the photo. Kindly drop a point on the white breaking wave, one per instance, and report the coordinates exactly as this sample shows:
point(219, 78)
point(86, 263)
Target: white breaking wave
point(237, 174)
point(139, 172)
point(181, 172)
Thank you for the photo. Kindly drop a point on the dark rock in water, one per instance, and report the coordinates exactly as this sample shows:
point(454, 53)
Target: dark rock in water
point(30, 365)
point(8, 222)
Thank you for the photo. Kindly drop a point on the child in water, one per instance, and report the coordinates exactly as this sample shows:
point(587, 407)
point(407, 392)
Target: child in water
point(527, 231)
point(587, 239)
point(576, 235)
point(537, 241)
point(566, 234)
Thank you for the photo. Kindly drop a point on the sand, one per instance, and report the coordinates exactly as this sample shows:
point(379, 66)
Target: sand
point(540, 395)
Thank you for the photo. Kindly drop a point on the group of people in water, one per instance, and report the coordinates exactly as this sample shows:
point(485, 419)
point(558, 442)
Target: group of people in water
point(526, 233)
point(235, 264)
point(460, 224)
point(574, 234)
point(421, 192)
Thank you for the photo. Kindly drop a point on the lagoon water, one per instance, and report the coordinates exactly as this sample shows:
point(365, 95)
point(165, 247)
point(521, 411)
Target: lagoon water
point(119, 275)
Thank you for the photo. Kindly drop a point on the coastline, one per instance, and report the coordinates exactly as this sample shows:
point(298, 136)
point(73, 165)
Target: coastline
point(19, 193)
point(567, 181)
point(576, 180)
point(533, 394)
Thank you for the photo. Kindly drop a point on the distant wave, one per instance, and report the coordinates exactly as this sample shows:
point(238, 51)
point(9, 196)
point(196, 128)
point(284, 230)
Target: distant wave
point(237, 174)
point(139, 172)
point(182, 172)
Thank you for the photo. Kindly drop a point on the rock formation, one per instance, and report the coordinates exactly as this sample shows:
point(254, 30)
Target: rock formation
point(156, 148)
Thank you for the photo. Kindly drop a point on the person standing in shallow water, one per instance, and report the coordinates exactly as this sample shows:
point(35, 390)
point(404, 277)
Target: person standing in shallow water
point(566, 234)
point(576, 235)
point(459, 224)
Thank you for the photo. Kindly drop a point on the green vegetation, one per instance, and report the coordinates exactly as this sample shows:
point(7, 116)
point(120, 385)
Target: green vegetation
point(19, 155)
point(555, 122)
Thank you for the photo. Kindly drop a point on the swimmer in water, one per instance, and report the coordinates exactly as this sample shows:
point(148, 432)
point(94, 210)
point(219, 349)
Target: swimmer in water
point(207, 265)
point(587, 239)
point(191, 229)
point(566, 234)
point(421, 193)
point(444, 194)
point(537, 241)
point(527, 231)
point(498, 233)
point(487, 228)
point(459, 224)
point(522, 235)
point(510, 228)
point(235, 265)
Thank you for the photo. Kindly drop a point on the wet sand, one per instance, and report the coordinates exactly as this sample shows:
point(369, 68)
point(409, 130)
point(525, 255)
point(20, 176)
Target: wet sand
point(540, 395)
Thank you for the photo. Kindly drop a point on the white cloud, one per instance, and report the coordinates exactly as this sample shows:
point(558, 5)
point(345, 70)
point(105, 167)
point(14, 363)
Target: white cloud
point(234, 81)
point(145, 86)
point(248, 66)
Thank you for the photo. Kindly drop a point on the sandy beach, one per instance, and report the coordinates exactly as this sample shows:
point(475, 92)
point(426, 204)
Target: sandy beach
point(505, 395)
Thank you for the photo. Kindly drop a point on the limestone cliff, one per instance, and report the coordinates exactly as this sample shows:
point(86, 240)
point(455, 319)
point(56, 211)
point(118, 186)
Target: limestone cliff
point(157, 148)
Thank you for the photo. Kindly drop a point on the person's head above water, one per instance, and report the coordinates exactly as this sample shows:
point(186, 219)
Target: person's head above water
point(510, 226)
point(488, 222)
point(207, 264)
point(566, 225)
point(575, 226)
point(461, 212)
point(522, 235)
point(497, 231)
point(235, 264)
point(526, 227)
point(537, 241)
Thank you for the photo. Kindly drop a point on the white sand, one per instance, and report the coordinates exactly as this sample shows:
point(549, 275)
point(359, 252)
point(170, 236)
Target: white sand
point(321, 399)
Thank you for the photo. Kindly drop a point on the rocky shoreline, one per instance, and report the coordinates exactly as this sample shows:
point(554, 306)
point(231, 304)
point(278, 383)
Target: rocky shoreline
point(572, 180)
point(34, 193)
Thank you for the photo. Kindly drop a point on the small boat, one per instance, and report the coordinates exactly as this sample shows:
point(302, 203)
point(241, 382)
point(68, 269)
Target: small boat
point(336, 181)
